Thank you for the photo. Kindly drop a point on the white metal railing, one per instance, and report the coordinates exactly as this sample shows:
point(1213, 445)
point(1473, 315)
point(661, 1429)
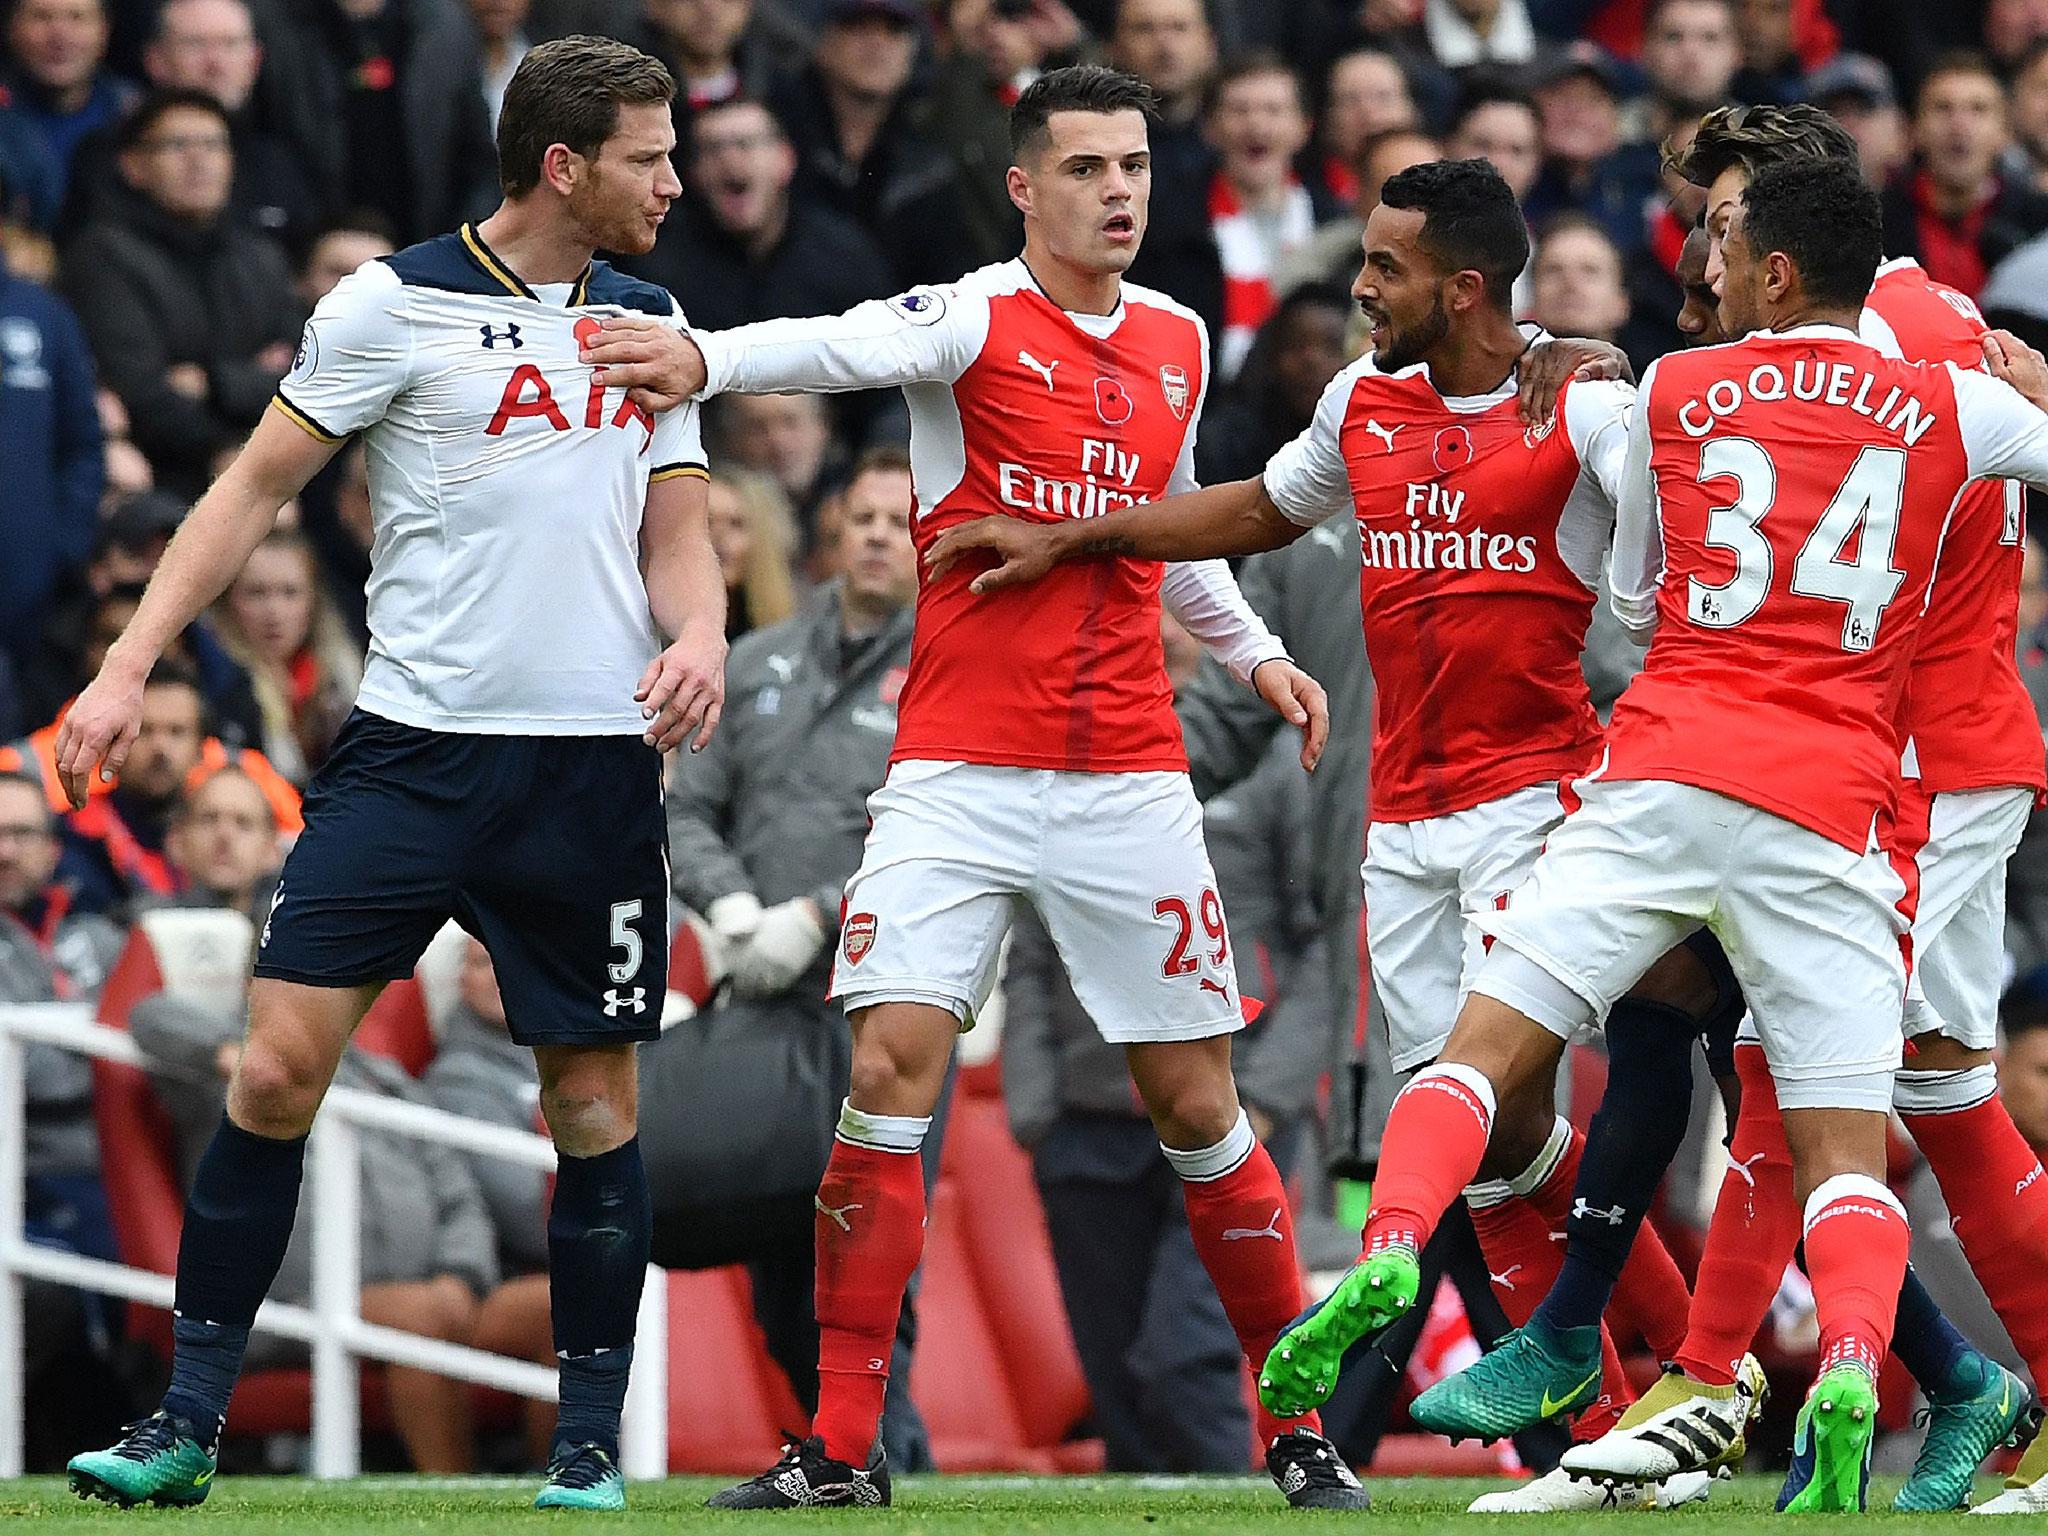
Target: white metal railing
point(331, 1325)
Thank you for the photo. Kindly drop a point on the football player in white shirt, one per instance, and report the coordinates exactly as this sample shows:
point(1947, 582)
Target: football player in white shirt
point(537, 532)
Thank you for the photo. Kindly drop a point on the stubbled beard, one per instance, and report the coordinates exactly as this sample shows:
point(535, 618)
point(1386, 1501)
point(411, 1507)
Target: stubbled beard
point(1406, 351)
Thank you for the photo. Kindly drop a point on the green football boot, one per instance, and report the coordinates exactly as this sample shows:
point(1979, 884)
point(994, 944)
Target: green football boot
point(158, 1461)
point(582, 1477)
point(1962, 1429)
point(1836, 1425)
point(1536, 1373)
point(1301, 1370)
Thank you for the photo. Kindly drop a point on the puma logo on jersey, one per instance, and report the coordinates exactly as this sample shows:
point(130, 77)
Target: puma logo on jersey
point(1214, 986)
point(1043, 370)
point(1270, 1229)
point(1502, 1281)
point(510, 336)
point(1384, 433)
point(1740, 1167)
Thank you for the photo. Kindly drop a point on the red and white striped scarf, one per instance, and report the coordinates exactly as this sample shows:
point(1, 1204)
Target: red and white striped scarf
point(1248, 297)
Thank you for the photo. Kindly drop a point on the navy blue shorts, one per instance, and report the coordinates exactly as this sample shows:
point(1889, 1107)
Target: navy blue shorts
point(553, 850)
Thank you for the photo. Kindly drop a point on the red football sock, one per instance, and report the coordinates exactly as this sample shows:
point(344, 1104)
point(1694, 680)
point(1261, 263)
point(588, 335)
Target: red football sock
point(1523, 1254)
point(1435, 1137)
point(1856, 1242)
point(1244, 1234)
point(1998, 1200)
point(1650, 1295)
point(870, 1235)
point(1751, 1238)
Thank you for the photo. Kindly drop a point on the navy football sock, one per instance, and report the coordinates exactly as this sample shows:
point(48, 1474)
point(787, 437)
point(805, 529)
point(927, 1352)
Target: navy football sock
point(1634, 1136)
point(599, 1231)
point(1944, 1362)
point(238, 1220)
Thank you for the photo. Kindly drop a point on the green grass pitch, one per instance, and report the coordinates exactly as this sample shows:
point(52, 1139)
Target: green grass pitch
point(933, 1506)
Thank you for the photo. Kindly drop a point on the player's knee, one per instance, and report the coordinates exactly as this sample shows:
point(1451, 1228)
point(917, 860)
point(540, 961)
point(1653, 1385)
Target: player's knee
point(585, 1120)
point(1196, 1114)
point(275, 1091)
point(898, 1069)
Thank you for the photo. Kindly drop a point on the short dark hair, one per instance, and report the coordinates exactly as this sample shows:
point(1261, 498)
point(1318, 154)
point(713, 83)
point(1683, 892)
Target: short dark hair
point(357, 221)
point(169, 672)
point(1958, 61)
point(34, 786)
point(1470, 220)
point(1756, 137)
point(153, 108)
point(1825, 218)
point(2024, 1007)
point(569, 92)
point(893, 458)
point(1076, 88)
point(1251, 64)
point(1491, 92)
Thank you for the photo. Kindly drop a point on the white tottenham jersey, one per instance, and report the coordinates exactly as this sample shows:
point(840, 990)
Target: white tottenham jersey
point(505, 595)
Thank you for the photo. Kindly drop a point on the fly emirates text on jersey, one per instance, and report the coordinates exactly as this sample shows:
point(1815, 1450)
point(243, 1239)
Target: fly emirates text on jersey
point(1107, 474)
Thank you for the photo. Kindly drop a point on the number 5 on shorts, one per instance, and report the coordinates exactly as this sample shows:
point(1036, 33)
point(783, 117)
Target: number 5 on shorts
point(1178, 961)
point(626, 940)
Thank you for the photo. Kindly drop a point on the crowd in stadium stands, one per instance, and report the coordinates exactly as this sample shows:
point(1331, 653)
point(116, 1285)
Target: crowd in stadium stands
point(181, 180)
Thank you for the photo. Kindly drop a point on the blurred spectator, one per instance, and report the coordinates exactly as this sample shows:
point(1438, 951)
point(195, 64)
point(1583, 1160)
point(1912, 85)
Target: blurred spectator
point(502, 42)
point(277, 621)
point(478, 1072)
point(766, 824)
point(1771, 68)
point(1499, 126)
point(1170, 46)
point(224, 844)
point(1691, 52)
point(87, 617)
point(857, 154)
point(385, 101)
point(57, 83)
point(2011, 27)
point(342, 246)
point(31, 180)
point(427, 1251)
point(209, 46)
point(1259, 212)
point(1466, 33)
point(720, 50)
point(755, 539)
point(1587, 168)
point(1856, 90)
point(740, 249)
point(2026, 160)
point(1577, 281)
point(192, 317)
point(995, 49)
point(50, 953)
point(1155, 1346)
point(127, 471)
point(1334, 254)
point(788, 438)
point(2023, 1065)
point(1297, 353)
point(1952, 211)
point(51, 460)
point(1366, 94)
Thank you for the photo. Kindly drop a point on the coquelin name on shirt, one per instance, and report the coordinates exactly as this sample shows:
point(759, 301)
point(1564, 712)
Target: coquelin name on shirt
point(1842, 384)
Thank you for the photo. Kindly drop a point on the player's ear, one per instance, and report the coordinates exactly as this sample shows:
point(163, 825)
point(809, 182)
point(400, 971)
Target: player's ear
point(561, 167)
point(1468, 290)
point(1018, 182)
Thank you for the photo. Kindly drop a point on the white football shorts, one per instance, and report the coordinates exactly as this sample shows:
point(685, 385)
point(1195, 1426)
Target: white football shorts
point(1426, 882)
point(1959, 927)
point(1114, 863)
point(1811, 928)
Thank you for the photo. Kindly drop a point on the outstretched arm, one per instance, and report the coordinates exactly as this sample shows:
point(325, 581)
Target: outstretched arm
point(1234, 519)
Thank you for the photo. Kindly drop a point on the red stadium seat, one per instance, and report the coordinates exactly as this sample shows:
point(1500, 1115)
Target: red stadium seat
point(396, 1027)
point(724, 1412)
point(689, 970)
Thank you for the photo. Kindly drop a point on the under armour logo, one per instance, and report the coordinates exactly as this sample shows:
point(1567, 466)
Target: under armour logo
point(783, 667)
point(616, 1002)
point(276, 901)
point(1270, 1229)
point(510, 336)
point(1501, 1280)
point(1043, 370)
point(1386, 433)
point(1584, 1212)
point(838, 1216)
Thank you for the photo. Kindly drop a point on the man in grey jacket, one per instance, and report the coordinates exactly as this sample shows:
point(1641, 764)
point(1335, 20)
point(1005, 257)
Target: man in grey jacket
point(765, 827)
point(50, 953)
point(428, 1251)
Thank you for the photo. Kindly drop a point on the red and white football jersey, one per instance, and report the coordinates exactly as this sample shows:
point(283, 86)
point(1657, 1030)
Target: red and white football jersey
point(1968, 714)
point(1785, 504)
point(1020, 408)
point(1481, 542)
